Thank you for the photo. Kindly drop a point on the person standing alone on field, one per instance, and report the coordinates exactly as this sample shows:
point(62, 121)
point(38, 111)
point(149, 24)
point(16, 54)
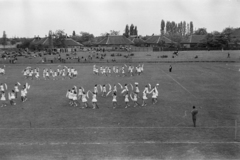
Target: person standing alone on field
point(194, 115)
point(170, 68)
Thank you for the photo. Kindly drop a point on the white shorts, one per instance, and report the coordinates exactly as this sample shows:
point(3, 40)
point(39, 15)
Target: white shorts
point(94, 100)
point(74, 98)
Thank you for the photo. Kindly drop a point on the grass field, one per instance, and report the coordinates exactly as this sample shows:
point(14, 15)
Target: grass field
point(46, 127)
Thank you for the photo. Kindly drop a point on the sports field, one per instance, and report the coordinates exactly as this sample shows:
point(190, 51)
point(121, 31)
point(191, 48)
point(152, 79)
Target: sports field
point(46, 127)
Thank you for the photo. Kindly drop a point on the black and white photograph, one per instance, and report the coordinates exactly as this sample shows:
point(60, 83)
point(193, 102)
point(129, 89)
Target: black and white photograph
point(119, 79)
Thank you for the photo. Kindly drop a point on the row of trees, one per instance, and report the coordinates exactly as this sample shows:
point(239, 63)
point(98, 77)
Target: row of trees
point(181, 28)
point(176, 31)
point(111, 33)
point(132, 31)
point(5, 40)
point(220, 39)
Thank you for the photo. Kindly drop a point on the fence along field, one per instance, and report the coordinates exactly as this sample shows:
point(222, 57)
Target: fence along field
point(47, 125)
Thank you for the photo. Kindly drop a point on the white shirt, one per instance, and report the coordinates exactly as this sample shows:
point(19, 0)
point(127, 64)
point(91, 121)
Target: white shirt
point(126, 98)
point(104, 89)
point(94, 98)
point(23, 93)
point(114, 98)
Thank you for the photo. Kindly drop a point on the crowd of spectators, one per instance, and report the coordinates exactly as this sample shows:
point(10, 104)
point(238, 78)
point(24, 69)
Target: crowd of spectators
point(46, 56)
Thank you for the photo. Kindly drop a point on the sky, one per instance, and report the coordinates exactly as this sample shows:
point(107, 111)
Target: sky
point(29, 18)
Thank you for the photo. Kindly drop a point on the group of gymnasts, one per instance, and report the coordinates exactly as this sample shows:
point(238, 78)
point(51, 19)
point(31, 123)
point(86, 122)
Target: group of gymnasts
point(49, 73)
point(79, 95)
point(11, 95)
point(124, 70)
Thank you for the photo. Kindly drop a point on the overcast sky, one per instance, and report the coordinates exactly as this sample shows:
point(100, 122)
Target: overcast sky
point(26, 18)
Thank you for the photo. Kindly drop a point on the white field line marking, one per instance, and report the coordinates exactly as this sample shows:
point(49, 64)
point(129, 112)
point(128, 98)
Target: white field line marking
point(179, 84)
point(113, 143)
point(79, 128)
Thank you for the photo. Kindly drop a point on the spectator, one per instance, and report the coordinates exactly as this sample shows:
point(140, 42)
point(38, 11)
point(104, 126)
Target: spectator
point(194, 116)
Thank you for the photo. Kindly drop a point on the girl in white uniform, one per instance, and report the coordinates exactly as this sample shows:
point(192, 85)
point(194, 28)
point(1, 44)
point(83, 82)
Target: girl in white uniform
point(30, 74)
point(154, 95)
point(47, 75)
point(97, 71)
point(54, 74)
point(142, 68)
point(63, 74)
point(104, 71)
point(23, 95)
point(69, 96)
point(114, 88)
point(80, 92)
point(1, 87)
point(145, 92)
point(44, 74)
point(116, 71)
point(109, 71)
point(94, 69)
point(11, 97)
point(131, 71)
point(138, 70)
point(125, 88)
point(25, 73)
point(100, 70)
point(26, 87)
point(84, 100)
point(74, 98)
point(129, 68)
point(75, 73)
point(134, 99)
point(104, 90)
point(136, 88)
point(94, 100)
point(37, 75)
point(16, 90)
point(114, 100)
point(144, 98)
point(3, 99)
point(95, 89)
point(123, 71)
point(2, 71)
point(126, 100)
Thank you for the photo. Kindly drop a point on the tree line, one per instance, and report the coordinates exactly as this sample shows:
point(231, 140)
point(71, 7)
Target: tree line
point(130, 31)
point(177, 32)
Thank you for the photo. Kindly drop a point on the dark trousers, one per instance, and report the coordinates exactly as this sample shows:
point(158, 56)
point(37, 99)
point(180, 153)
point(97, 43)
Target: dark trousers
point(194, 122)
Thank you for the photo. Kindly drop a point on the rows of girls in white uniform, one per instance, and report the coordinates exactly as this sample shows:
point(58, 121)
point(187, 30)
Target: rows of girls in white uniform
point(49, 73)
point(80, 96)
point(9, 97)
point(118, 70)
